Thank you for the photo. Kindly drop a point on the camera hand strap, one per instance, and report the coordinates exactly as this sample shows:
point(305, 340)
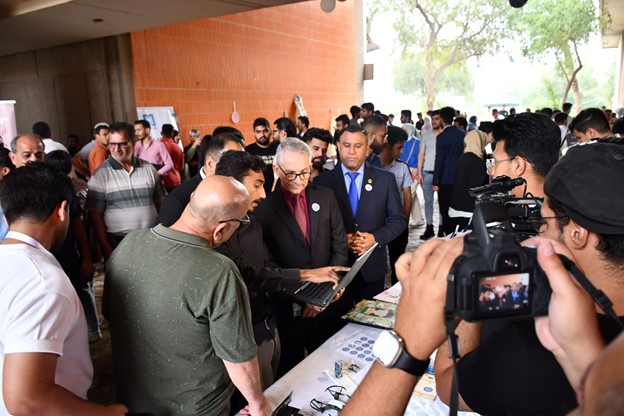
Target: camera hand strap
point(453, 342)
point(597, 295)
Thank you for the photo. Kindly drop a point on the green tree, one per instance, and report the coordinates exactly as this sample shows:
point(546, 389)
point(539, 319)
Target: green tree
point(409, 77)
point(555, 29)
point(444, 34)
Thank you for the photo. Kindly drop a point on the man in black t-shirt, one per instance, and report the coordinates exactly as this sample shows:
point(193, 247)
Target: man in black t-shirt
point(516, 370)
point(585, 216)
point(264, 148)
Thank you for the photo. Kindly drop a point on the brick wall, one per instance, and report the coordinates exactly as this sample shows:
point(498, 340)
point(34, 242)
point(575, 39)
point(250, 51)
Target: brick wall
point(259, 59)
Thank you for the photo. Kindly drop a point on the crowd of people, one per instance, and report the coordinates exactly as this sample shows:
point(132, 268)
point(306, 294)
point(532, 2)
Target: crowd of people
point(501, 297)
point(200, 243)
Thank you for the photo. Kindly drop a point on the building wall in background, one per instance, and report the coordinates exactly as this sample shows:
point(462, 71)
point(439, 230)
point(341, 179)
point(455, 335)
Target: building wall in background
point(258, 59)
point(71, 87)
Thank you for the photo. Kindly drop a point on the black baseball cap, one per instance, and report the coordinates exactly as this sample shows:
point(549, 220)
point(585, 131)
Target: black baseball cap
point(587, 182)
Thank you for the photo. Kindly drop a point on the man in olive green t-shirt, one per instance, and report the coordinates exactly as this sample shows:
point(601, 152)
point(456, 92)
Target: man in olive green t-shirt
point(179, 312)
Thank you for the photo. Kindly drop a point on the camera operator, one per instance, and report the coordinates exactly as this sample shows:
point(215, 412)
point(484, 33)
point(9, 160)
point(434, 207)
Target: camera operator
point(572, 333)
point(527, 146)
point(587, 217)
point(510, 372)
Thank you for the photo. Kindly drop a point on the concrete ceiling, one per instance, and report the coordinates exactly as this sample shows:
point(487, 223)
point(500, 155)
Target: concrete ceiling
point(36, 24)
point(611, 37)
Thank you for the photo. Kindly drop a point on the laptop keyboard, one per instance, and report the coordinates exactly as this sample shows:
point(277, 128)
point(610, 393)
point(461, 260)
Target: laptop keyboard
point(317, 291)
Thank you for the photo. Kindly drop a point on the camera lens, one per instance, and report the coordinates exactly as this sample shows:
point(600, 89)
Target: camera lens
point(509, 262)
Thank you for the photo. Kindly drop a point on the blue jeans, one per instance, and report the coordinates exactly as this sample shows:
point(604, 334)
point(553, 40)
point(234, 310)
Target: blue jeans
point(427, 187)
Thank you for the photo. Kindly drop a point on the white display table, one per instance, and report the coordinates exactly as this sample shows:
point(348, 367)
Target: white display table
point(308, 380)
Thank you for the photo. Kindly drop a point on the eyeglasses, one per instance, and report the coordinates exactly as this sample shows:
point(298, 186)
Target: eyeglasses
point(491, 162)
point(122, 145)
point(537, 221)
point(243, 221)
point(291, 176)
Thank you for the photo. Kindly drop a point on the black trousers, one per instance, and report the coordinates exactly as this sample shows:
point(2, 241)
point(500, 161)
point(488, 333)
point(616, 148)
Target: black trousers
point(444, 202)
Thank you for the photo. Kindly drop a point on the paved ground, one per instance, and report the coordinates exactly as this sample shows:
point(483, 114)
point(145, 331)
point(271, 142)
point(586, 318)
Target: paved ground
point(103, 389)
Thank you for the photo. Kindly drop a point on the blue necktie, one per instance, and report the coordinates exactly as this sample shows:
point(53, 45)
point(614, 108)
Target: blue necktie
point(353, 192)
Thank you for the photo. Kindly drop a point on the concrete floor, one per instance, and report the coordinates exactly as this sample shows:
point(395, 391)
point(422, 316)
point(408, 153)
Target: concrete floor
point(103, 389)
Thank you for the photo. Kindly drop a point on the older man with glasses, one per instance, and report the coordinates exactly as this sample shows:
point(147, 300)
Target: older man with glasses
point(125, 192)
point(303, 229)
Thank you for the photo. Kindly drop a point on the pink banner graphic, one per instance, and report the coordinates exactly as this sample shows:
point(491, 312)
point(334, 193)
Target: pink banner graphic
point(8, 129)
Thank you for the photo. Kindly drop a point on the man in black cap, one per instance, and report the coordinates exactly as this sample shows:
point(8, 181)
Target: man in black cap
point(584, 212)
point(583, 217)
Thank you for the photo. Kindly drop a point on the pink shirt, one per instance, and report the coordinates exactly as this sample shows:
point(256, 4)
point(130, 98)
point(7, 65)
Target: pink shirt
point(156, 154)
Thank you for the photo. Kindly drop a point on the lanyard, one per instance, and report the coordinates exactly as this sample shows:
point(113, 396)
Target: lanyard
point(26, 239)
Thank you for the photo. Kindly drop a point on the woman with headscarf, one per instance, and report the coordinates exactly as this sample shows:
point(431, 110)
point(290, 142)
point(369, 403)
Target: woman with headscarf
point(470, 173)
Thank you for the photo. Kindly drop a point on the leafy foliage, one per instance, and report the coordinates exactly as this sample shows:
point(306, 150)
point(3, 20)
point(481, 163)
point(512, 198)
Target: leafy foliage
point(554, 30)
point(444, 34)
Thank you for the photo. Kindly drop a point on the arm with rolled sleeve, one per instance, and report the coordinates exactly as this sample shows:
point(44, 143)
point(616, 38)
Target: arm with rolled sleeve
point(419, 321)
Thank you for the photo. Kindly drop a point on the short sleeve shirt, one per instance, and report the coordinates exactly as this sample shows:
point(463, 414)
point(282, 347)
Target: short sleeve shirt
point(177, 309)
point(125, 198)
point(511, 373)
point(40, 312)
point(401, 173)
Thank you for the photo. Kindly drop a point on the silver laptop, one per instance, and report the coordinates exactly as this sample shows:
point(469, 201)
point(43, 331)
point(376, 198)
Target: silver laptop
point(321, 294)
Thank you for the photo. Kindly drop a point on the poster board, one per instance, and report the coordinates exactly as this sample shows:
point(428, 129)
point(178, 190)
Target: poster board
point(157, 116)
point(8, 128)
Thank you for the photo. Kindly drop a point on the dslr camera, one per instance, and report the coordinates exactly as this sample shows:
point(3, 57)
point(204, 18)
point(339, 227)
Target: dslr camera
point(495, 277)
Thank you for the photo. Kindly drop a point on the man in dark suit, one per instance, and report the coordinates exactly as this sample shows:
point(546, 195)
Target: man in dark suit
point(449, 147)
point(210, 151)
point(262, 277)
point(303, 228)
point(371, 210)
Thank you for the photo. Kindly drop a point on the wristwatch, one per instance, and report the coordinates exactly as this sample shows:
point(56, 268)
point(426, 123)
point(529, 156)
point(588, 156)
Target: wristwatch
point(390, 351)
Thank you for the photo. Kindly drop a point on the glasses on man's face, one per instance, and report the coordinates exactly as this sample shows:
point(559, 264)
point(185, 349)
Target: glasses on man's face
point(243, 221)
point(491, 163)
point(291, 176)
point(121, 145)
point(537, 221)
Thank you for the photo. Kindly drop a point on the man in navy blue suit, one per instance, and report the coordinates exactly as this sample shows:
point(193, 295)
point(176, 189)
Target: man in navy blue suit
point(449, 147)
point(371, 210)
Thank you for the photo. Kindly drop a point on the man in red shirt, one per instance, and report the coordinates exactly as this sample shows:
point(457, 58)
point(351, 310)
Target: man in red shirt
point(172, 178)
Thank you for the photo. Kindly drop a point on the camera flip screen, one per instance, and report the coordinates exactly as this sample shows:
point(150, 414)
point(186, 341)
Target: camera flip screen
point(504, 292)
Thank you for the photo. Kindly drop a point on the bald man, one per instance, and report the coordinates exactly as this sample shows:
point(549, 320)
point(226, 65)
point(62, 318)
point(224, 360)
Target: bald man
point(179, 311)
point(26, 148)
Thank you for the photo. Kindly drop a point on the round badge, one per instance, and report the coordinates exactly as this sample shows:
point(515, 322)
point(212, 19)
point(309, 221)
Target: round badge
point(368, 187)
point(315, 207)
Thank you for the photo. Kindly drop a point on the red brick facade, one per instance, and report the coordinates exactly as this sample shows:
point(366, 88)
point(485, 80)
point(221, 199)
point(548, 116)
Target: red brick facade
point(260, 59)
